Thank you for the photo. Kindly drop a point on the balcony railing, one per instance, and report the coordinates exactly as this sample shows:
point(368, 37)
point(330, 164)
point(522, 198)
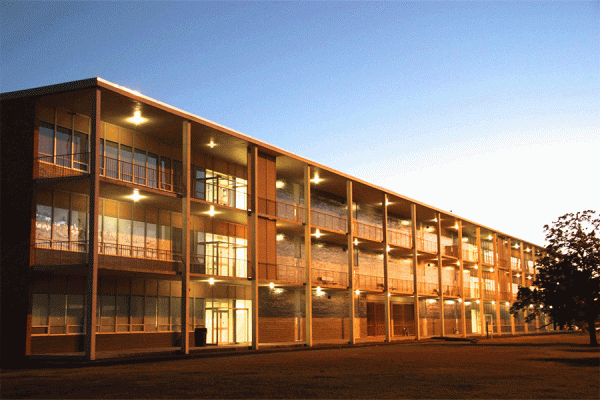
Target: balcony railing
point(401, 285)
point(471, 292)
point(451, 251)
point(367, 230)
point(399, 238)
point(330, 278)
point(451, 290)
point(515, 263)
point(428, 288)
point(488, 257)
point(47, 252)
point(329, 221)
point(505, 296)
point(282, 209)
point(219, 266)
point(426, 245)
point(369, 282)
point(153, 177)
point(61, 166)
point(223, 191)
point(470, 255)
point(127, 257)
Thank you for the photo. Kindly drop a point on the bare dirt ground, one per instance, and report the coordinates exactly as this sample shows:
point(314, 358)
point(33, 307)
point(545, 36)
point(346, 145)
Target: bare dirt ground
point(533, 367)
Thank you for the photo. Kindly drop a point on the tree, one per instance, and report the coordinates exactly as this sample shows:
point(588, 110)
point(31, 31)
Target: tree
point(567, 283)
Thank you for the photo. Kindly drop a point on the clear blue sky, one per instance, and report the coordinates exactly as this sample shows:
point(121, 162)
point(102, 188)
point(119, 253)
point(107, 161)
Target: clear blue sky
point(488, 109)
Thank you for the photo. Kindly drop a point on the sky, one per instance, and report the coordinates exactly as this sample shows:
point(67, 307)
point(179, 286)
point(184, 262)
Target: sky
point(486, 109)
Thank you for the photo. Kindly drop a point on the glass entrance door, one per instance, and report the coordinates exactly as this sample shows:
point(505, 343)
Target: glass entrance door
point(221, 326)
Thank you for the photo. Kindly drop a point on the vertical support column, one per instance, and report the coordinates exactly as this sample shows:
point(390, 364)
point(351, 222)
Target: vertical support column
point(497, 296)
point(463, 311)
point(252, 238)
point(351, 306)
point(413, 217)
point(91, 284)
point(533, 273)
point(523, 281)
point(440, 266)
point(185, 237)
point(386, 276)
point(510, 274)
point(480, 275)
point(307, 258)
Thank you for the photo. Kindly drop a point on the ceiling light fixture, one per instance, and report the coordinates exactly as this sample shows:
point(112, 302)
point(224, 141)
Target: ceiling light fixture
point(136, 196)
point(137, 118)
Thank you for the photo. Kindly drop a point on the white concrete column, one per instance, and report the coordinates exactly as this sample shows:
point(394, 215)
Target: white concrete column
point(185, 238)
point(91, 284)
point(413, 216)
point(252, 238)
point(440, 266)
point(351, 295)
point(307, 258)
point(386, 293)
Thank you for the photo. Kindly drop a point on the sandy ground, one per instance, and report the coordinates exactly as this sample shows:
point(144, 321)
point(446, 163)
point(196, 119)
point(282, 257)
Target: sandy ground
point(553, 366)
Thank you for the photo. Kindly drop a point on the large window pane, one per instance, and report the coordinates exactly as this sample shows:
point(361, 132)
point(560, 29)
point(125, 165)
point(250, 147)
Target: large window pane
point(108, 313)
point(125, 161)
point(122, 313)
point(125, 237)
point(43, 222)
point(163, 314)
point(137, 312)
point(139, 161)
point(63, 146)
point(199, 184)
point(58, 307)
point(176, 313)
point(165, 173)
point(39, 309)
point(80, 156)
point(150, 314)
point(46, 140)
point(152, 170)
point(138, 238)
point(111, 156)
point(61, 224)
point(75, 313)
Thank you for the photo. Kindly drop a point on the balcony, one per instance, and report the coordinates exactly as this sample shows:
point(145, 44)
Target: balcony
point(369, 282)
point(428, 288)
point(401, 285)
point(223, 191)
point(47, 252)
point(152, 177)
point(367, 231)
point(471, 292)
point(399, 238)
point(451, 290)
point(426, 245)
point(515, 263)
point(470, 255)
point(328, 221)
point(133, 258)
point(61, 166)
point(282, 209)
point(218, 265)
point(488, 257)
point(329, 278)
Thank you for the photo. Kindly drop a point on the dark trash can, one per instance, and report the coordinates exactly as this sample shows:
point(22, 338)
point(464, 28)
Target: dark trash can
point(200, 336)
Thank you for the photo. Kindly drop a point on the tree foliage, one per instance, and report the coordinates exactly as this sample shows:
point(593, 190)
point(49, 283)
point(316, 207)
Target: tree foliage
point(567, 283)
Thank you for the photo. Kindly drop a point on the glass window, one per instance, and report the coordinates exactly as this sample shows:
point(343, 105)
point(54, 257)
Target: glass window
point(61, 224)
point(58, 307)
point(63, 146)
point(125, 237)
point(139, 161)
point(46, 140)
point(75, 313)
point(39, 310)
point(107, 313)
point(122, 313)
point(151, 242)
point(80, 150)
point(152, 170)
point(137, 313)
point(150, 314)
point(110, 159)
point(78, 225)
point(43, 222)
point(138, 238)
point(125, 162)
point(165, 173)
point(176, 313)
point(163, 314)
point(200, 183)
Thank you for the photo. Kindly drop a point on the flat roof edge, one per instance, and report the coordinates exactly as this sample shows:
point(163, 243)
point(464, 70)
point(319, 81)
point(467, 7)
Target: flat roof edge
point(50, 89)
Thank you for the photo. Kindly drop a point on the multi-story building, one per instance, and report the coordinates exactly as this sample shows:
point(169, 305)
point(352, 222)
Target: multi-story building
point(128, 223)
